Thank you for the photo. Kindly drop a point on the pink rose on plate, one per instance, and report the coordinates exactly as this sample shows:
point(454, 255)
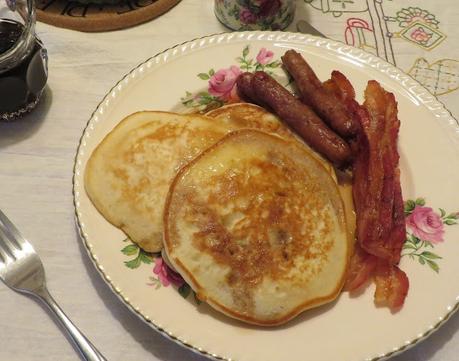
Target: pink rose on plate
point(426, 224)
point(264, 56)
point(223, 83)
point(247, 17)
point(166, 275)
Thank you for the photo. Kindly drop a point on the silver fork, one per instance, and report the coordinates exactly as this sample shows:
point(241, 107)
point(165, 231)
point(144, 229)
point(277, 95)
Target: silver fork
point(22, 270)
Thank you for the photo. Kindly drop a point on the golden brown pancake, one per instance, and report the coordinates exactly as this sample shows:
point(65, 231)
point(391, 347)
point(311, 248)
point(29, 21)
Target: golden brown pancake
point(246, 115)
point(251, 116)
point(256, 226)
point(128, 175)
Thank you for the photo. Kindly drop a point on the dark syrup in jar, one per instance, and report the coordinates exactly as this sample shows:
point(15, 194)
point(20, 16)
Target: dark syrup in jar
point(10, 32)
point(22, 85)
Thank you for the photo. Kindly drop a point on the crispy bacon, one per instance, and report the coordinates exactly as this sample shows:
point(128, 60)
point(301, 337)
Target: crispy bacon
point(339, 85)
point(391, 286)
point(378, 201)
point(360, 270)
point(380, 229)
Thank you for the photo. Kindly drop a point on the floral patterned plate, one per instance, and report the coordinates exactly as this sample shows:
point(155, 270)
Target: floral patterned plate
point(200, 75)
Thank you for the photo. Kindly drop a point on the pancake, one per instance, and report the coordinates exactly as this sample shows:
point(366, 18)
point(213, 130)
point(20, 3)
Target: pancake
point(246, 115)
point(128, 175)
point(255, 225)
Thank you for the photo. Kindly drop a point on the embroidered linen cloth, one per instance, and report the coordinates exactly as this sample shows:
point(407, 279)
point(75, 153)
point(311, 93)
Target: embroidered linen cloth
point(419, 37)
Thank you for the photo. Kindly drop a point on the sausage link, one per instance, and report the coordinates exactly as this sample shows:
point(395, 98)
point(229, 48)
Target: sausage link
point(244, 87)
point(246, 92)
point(326, 104)
point(301, 118)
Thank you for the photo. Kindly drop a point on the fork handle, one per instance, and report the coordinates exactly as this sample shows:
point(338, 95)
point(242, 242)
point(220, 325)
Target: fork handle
point(87, 350)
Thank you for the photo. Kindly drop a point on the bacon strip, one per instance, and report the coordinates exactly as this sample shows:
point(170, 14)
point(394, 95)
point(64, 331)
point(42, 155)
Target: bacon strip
point(381, 231)
point(360, 270)
point(391, 286)
point(340, 86)
point(377, 193)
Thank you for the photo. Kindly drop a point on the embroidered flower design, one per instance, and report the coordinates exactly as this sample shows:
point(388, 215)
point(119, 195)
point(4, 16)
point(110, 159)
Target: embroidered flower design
point(410, 15)
point(420, 35)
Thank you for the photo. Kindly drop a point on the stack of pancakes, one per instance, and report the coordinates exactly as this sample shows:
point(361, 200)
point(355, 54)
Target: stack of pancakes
point(248, 214)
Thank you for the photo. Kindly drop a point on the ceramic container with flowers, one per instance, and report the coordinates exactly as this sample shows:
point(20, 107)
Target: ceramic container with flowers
point(255, 14)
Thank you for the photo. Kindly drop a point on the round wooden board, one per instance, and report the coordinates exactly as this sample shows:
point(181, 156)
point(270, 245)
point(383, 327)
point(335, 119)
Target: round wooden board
point(100, 17)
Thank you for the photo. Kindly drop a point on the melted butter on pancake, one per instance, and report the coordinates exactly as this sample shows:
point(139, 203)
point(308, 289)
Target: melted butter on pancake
point(246, 115)
point(251, 116)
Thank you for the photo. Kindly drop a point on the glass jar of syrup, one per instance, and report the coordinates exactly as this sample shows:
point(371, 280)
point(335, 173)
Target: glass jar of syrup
point(23, 59)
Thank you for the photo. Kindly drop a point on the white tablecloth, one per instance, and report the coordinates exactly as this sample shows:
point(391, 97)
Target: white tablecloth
point(36, 160)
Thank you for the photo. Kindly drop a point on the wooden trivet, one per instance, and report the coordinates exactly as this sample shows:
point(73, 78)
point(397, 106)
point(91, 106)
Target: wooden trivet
point(100, 17)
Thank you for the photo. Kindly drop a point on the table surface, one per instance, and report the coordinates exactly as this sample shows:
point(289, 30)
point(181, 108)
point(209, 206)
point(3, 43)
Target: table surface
point(37, 152)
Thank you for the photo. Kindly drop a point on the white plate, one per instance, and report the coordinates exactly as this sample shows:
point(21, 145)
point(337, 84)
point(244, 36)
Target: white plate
point(351, 329)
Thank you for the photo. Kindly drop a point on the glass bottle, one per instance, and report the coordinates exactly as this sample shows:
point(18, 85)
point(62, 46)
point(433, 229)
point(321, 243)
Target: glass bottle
point(23, 59)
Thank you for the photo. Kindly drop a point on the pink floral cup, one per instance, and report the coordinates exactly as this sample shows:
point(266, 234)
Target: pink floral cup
point(255, 14)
